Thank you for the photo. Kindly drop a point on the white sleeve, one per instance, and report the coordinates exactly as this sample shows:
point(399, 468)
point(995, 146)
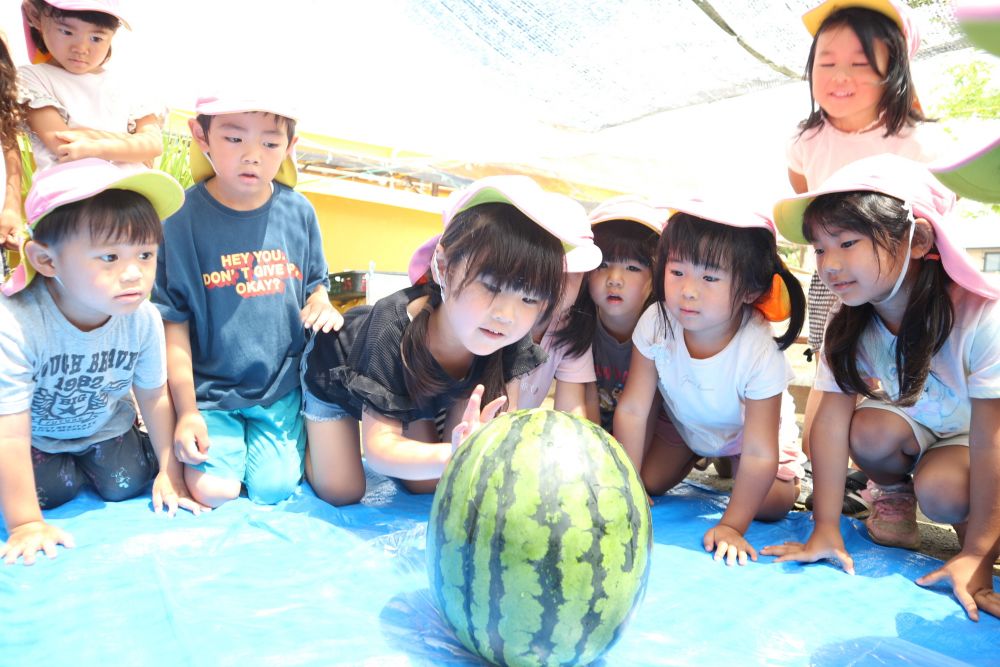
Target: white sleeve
point(36, 90)
point(770, 373)
point(648, 331)
point(984, 356)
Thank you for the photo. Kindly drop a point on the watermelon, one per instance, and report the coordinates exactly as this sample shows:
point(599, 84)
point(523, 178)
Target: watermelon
point(538, 541)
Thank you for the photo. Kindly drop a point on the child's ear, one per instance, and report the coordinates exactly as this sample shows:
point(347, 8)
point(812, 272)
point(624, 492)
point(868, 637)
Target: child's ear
point(198, 134)
point(41, 257)
point(923, 238)
point(291, 145)
point(31, 14)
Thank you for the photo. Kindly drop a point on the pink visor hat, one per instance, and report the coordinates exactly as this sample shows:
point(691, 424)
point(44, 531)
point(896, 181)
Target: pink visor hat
point(912, 183)
point(895, 10)
point(980, 19)
point(557, 214)
point(112, 7)
point(775, 304)
point(78, 180)
point(973, 173)
point(217, 105)
point(630, 207)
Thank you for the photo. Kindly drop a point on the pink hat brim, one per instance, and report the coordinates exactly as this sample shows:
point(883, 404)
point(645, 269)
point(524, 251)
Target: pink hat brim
point(910, 182)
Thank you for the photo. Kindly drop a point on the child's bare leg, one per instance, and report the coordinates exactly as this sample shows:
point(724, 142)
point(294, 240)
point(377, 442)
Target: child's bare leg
point(333, 460)
point(420, 486)
point(780, 497)
point(210, 490)
point(941, 484)
point(779, 500)
point(883, 445)
point(665, 465)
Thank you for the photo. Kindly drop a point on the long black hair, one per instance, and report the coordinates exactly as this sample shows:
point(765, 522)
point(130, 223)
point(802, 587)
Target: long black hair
point(928, 317)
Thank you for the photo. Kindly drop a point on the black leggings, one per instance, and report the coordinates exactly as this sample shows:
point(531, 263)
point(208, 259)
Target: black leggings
point(118, 468)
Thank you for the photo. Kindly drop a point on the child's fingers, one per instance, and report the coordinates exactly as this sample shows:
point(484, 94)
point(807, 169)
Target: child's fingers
point(492, 408)
point(157, 500)
point(471, 414)
point(171, 505)
point(988, 601)
point(967, 602)
point(846, 561)
point(782, 550)
point(193, 506)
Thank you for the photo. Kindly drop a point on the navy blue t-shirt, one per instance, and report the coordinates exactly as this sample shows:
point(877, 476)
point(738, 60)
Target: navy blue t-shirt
point(240, 279)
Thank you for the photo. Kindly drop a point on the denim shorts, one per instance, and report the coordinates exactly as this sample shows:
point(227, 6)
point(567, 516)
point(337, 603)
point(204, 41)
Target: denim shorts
point(318, 410)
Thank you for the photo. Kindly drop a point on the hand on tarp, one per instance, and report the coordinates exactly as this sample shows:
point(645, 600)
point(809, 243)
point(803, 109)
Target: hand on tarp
point(826, 543)
point(29, 538)
point(971, 580)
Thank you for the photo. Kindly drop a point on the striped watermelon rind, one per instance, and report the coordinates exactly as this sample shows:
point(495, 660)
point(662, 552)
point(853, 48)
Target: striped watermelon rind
point(559, 503)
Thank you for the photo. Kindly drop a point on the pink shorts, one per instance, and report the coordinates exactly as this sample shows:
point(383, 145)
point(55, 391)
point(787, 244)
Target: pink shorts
point(790, 456)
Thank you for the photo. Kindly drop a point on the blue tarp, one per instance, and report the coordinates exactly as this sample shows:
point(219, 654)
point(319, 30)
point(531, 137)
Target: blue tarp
point(304, 583)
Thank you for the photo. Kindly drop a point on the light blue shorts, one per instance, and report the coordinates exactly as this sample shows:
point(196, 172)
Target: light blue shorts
point(262, 446)
point(318, 410)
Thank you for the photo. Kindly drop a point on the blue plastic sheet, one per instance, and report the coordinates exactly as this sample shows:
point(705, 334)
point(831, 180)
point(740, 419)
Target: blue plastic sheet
point(304, 583)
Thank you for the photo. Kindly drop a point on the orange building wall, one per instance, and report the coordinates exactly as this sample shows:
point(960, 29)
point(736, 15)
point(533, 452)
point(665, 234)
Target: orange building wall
point(357, 232)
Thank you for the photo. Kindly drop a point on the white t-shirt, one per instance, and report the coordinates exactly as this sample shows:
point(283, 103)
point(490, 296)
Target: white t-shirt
point(705, 398)
point(98, 101)
point(76, 383)
point(821, 151)
point(967, 366)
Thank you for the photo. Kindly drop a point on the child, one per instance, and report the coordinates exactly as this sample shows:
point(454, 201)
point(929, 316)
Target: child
point(74, 343)
point(616, 293)
point(75, 107)
point(707, 345)
point(11, 224)
point(571, 369)
point(917, 340)
point(497, 271)
point(859, 76)
point(240, 279)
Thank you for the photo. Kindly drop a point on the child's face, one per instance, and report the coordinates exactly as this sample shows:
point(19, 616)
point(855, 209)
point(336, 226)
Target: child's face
point(76, 46)
point(484, 318)
point(700, 298)
point(98, 280)
point(247, 150)
point(620, 289)
point(853, 267)
point(844, 83)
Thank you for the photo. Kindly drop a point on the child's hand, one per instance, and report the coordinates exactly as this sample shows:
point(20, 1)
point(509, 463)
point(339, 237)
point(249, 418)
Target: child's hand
point(173, 493)
point(472, 418)
point(29, 538)
point(191, 439)
point(971, 581)
point(11, 230)
point(823, 543)
point(75, 145)
point(728, 543)
point(320, 315)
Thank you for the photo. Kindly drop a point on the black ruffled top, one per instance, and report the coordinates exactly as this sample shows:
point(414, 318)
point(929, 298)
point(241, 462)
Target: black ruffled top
point(362, 364)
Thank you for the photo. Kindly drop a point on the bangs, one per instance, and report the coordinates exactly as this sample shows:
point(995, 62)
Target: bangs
point(854, 212)
point(499, 241)
point(112, 216)
point(701, 242)
point(626, 241)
